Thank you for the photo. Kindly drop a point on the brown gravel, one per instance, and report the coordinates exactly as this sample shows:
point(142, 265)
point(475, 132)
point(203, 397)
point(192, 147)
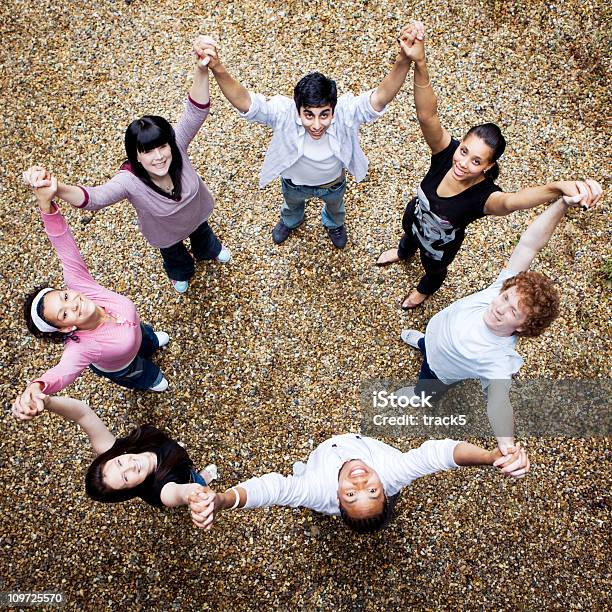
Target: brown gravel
point(268, 354)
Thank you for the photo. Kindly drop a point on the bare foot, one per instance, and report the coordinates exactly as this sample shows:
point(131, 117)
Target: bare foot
point(388, 257)
point(413, 299)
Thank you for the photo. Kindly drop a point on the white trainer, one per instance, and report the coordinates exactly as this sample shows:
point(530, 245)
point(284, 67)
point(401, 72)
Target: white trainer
point(212, 471)
point(162, 338)
point(411, 337)
point(224, 256)
point(162, 385)
point(180, 286)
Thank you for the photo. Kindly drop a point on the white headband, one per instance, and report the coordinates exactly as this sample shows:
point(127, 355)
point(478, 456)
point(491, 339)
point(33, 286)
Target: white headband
point(43, 326)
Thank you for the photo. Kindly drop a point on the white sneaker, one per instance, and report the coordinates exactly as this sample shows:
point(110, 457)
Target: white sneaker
point(224, 256)
point(180, 286)
point(411, 337)
point(162, 385)
point(162, 338)
point(212, 471)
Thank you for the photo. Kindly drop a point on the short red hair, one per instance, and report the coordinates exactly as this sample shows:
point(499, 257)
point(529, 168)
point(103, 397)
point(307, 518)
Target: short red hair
point(539, 299)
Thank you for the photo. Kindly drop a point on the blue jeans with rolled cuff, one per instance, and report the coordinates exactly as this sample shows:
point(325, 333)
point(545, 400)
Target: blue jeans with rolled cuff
point(141, 373)
point(292, 211)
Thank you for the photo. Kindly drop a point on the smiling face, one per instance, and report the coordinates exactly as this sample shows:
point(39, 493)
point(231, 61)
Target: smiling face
point(316, 120)
point(156, 161)
point(504, 316)
point(129, 470)
point(66, 309)
point(472, 157)
point(360, 491)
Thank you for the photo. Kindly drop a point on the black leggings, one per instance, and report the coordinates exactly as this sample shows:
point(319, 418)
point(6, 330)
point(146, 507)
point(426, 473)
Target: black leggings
point(435, 270)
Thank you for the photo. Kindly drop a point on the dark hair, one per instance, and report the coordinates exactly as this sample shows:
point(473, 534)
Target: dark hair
point(145, 134)
point(141, 440)
point(372, 523)
point(494, 139)
point(315, 90)
point(539, 298)
point(56, 336)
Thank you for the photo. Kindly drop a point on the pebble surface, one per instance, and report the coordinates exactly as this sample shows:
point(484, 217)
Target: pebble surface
point(268, 353)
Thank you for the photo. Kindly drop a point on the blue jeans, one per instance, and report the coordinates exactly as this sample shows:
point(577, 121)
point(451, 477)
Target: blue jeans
point(292, 211)
point(141, 373)
point(198, 478)
point(428, 381)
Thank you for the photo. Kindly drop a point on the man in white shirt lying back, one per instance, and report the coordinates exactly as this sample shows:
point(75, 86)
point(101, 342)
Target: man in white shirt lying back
point(315, 140)
point(476, 336)
point(354, 476)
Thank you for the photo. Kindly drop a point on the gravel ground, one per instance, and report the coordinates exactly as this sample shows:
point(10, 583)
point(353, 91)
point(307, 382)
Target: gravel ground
point(268, 354)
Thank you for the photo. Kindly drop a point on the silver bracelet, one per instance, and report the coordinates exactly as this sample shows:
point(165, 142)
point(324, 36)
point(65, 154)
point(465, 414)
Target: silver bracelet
point(237, 502)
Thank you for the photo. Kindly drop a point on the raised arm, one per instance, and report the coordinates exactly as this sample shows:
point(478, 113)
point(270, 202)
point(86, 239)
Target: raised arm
point(392, 83)
point(78, 412)
point(425, 101)
point(537, 235)
point(501, 203)
point(236, 94)
point(204, 50)
point(89, 198)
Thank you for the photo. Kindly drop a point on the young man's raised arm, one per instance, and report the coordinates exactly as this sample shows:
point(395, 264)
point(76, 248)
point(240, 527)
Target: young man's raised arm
point(537, 235)
point(392, 83)
point(236, 94)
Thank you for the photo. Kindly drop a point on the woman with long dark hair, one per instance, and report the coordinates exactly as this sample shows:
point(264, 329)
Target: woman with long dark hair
point(459, 186)
point(146, 463)
point(99, 328)
point(171, 200)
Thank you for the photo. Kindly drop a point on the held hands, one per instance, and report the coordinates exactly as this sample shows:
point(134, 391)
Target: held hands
point(412, 41)
point(205, 50)
point(43, 183)
point(30, 403)
point(512, 460)
point(581, 193)
point(203, 505)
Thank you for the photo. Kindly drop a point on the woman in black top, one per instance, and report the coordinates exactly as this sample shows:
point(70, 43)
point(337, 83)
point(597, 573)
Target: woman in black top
point(146, 463)
point(459, 186)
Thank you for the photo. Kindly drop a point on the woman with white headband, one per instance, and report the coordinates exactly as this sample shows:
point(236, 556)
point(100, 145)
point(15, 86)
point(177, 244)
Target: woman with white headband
point(99, 328)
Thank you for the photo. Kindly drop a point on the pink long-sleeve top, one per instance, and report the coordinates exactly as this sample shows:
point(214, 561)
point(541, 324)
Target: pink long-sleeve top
point(111, 346)
point(162, 220)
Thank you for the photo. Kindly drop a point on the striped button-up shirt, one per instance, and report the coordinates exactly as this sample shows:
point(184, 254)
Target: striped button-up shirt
point(315, 484)
point(287, 143)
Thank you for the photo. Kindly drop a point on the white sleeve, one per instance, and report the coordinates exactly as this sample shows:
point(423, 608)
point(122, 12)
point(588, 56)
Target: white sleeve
point(431, 457)
point(273, 489)
point(266, 112)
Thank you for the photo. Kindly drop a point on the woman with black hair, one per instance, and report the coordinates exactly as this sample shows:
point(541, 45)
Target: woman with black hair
point(356, 477)
point(171, 200)
point(146, 463)
point(459, 186)
point(98, 327)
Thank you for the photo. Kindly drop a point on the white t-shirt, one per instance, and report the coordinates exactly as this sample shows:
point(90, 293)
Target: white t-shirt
point(315, 484)
point(459, 345)
point(317, 165)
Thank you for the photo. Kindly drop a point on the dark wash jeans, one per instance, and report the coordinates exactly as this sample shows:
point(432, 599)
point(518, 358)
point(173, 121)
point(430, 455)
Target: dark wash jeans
point(142, 373)
point(178, 262)
point(428, 382)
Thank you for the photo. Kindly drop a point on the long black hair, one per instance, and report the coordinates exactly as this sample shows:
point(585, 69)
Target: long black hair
point(56, 336)
point(145, 134)
point(492, 136)
point(145, 438)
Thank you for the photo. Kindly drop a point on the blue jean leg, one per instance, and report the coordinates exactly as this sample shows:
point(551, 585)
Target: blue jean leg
point(333, 213)
point(292, 210)
point(428, 382)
